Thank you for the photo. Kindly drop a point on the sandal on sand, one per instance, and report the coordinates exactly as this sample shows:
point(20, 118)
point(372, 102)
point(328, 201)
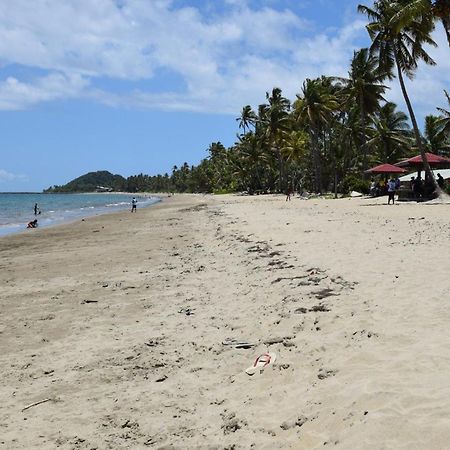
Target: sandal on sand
point(238, 344)
point(261, 362)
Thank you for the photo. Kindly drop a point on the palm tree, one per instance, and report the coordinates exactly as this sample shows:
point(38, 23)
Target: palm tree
point(364, 87)
point(247, 118)
point(276, 122)
point(401, 48)
point(295, 144)
point(390, 135)
point(436, 10)
point(444, 121)
point(346, 142)
point(441, 9)
point(252, 161)
point(313, 109)
point(436, 139)
point(348, 138)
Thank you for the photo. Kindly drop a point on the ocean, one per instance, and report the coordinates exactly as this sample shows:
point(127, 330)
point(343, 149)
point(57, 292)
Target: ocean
point(17, 209)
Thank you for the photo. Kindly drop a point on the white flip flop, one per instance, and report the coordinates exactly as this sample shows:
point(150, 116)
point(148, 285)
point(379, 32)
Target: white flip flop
point(261, 362)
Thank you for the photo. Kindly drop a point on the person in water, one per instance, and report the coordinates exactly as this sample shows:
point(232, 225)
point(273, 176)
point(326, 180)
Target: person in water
point(36, 209)
point(32, 224)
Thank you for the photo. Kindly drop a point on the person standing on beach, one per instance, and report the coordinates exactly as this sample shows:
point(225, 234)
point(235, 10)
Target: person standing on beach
point(417, 187)
point(288, 194)
point(133, 204)
point(391, 190)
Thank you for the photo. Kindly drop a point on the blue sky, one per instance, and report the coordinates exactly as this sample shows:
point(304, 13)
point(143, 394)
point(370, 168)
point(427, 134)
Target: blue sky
point(136, 86)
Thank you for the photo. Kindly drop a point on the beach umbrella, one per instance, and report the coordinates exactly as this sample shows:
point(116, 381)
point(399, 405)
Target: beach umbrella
point(416, 162)
point(385, 168)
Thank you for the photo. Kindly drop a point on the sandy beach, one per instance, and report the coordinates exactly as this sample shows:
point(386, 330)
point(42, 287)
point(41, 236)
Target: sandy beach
point(123, 331)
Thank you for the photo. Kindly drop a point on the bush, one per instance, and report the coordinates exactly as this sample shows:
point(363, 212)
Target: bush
point(353, 183)
point(223, 191)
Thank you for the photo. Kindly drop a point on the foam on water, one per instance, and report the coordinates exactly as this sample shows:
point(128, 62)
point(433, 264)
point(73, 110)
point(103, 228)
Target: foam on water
point(16, 210)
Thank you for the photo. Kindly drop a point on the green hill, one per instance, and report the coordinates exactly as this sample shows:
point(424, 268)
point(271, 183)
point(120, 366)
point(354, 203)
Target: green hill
point(92, 182)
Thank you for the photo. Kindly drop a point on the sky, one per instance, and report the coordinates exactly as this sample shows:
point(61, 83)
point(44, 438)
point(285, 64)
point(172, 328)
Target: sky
point(138, 86)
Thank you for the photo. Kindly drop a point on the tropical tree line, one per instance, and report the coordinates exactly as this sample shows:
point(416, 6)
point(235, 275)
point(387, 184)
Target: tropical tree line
point(336, 127)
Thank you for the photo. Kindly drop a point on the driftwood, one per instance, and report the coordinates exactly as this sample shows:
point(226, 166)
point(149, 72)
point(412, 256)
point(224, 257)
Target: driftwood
point(36, 403)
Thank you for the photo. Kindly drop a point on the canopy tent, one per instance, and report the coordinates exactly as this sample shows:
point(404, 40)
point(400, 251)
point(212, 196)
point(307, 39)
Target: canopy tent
point(445, 173)
point(424, 190)
point(385, 168)
point(433, 160)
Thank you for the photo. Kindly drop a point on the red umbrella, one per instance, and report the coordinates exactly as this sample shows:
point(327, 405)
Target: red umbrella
point(385, 168)
point(433, 160)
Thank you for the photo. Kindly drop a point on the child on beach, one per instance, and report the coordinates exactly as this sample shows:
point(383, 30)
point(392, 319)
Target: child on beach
point(133, 204)
point(32, 224)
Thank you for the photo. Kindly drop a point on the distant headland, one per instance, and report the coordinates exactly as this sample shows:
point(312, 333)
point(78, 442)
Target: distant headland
point(100, 181)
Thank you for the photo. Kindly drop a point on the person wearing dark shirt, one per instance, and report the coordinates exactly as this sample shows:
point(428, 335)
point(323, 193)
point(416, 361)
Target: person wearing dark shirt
point(32, 224)
point(417, 187)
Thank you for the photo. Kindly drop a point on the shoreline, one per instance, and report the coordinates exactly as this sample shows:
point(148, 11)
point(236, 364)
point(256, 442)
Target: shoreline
point(124, 325)
point(11, 229)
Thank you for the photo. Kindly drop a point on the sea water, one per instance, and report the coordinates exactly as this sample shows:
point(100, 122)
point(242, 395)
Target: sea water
point(17, 209)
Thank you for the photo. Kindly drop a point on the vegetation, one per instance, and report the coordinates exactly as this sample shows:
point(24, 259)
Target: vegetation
point(334, 129)
point(90, 182)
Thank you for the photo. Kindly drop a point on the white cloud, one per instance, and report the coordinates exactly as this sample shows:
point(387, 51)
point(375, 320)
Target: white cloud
point(7, 176)
point(15, 94)
point(78, 41)
point(224, 59)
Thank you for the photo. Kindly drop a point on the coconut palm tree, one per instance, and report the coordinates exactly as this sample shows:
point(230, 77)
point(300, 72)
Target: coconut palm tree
point(412, 9)
point(444, 121)
point(247, 118)
point(295, 145)
point(313, 109)
point(401, 48)
point(349, 137)
point(364, 88)
point(252, 161)
point(345, 156)
point(441, 10)
point(276, 122)
point(436, 140)
point(390, 135)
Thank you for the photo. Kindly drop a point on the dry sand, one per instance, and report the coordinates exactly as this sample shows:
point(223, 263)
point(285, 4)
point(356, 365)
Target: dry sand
point(118, 323)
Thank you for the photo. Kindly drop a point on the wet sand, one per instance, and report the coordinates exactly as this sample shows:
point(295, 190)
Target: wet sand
point(123, 327)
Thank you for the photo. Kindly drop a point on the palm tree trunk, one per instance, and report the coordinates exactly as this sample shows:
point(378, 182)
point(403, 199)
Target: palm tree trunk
point(440, 9)
point(280, 169)
point(316, 162)
point(258, 177)
point(386, 152)
point(446, 22)
point(363, 134)
point(417, 136)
